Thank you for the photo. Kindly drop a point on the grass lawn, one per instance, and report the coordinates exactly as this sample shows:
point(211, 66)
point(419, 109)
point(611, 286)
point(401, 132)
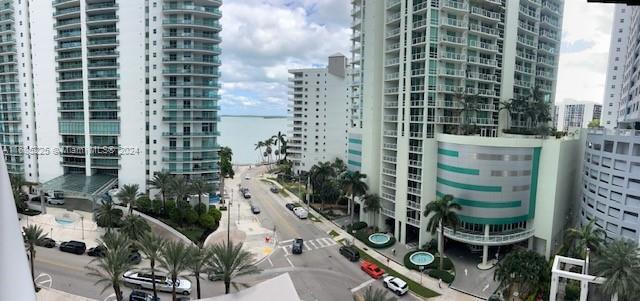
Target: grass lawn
point(413, 286)
point(333, 233)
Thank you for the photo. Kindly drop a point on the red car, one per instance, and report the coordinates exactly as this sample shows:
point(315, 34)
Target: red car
point(372, 269)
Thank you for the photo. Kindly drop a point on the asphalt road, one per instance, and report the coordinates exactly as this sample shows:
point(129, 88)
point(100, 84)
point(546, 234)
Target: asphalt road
point(320, 273)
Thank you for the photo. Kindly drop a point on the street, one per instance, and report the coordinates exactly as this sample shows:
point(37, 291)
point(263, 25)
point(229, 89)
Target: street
point(319, 273)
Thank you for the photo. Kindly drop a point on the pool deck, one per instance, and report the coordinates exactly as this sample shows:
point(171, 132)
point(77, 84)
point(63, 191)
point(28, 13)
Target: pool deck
point(82, 225)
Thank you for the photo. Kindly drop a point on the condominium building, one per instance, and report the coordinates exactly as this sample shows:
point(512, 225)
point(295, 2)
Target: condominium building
point(629, 105)
point(420, 62)
point(122, 89)
point(577, 114)
point(615, 69)
point(319, 113)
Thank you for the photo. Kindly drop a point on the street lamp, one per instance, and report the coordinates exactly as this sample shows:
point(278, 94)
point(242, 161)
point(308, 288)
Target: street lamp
point(82, 225)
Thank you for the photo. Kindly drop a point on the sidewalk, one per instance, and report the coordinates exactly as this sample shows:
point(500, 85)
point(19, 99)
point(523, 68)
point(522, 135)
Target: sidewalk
point(244, 226)
point(446, 294)
point(63, 225)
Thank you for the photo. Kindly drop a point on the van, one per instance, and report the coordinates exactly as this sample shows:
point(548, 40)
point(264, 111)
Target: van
point(350, 253)
point(300, 212)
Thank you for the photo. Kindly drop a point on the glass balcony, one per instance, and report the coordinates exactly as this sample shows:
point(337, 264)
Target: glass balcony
point(488, 240)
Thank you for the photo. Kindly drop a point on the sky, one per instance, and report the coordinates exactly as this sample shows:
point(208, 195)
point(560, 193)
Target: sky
point(262, 39)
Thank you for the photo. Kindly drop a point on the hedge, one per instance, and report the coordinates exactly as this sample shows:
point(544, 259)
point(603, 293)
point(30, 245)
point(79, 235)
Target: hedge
point(363, 236)
point(446, 264)
point(444, 275)
point(358, 226)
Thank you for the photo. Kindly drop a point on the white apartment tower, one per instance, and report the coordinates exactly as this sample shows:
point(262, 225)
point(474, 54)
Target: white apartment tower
point(577, 114)
point(319, 113)
point(616, 66)
point(415, 61)
point(122, 89)
point(629, 105)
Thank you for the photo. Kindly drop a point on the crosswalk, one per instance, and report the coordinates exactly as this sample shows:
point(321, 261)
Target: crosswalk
point(309, 245)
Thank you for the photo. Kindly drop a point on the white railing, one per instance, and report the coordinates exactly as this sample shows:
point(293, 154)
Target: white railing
point(415, 163)
point(392, 32)
point(448, 119)
point(391, 133)
point(454, 4)
point(485, 13)
point(393, 61)
point(484, 29)
point(393, 46)
point(526, 56)
point(415, 149)
point(420, 23)
point(491, 240)
point(390, 104)
point(415, 135)
point(483, 45)
point(389, 171)
point(418, 40)
point(393, 17)
point(454, 40)
point(482, 76)
point(415, 177)
point(530, 43)
point(451, 72)
point(449, 88)
point(413, 204)
point(413, 221)
point(391, 3)
point(523, 69)
point(391, 90)
point(483, 61)
point(392, 76)
point(389, 184)
point(413, 190)
point(417, 88)
point(417, 103)
point(528, 27)
point(417, 118)
point(390, 118)
point(453, 56)
point(523, 83)
point(388, 212)
point(453, 22)
point(389, 158)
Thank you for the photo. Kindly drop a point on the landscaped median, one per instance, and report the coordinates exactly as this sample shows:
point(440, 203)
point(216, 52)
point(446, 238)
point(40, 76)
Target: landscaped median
point(432, 268)
point(413, 286)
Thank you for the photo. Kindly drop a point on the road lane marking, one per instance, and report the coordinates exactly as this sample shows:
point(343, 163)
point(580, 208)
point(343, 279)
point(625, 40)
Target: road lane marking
point(270, 262)
point(286, 241)
point(306, 246)
point(286, 253)
point(289, 261)
point(361, 286)
point(48, 279)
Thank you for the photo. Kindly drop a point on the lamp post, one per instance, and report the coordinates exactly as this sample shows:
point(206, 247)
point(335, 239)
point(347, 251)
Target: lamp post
point(82, 225)
point(229, 220)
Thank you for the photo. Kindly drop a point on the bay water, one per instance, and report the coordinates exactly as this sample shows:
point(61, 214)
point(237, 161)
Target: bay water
point(241, 133)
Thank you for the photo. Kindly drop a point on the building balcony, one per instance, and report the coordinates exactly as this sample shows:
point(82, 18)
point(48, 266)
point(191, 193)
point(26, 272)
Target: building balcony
point(209, 24)
point(482, 76)
point(452, 56)
point(488, 240)
point(388, 212)
point(453, 40)
point(392, 33)
point(483, 46)
point(485, 30)
point(67, 12)
point(191, 134)
point(485, 14)
point(102, 6)
point(391, 159)
point(456, 6)
point(453, 23)
point(526, 56)
point(413, 221)
point(196, 9)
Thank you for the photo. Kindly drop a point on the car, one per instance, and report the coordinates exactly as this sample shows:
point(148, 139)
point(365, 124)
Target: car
point(53, 201)
point(142, 296)
point(72, 246)
point(247, 177)
point(297, 246)
point(135, 257)
point(98, 251)
point(300, 212)
point(163, 283)
point(371, 269)
point(350, 253)
point(396, 285)
point(243, 189)
point(290, 206)
point(255, 209)
point(246, 194)
point(47, 243)
point(274, 189)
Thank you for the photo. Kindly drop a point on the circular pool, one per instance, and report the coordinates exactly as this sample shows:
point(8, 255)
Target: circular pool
point(379, 238)
point(421, 258)
point(65, 219)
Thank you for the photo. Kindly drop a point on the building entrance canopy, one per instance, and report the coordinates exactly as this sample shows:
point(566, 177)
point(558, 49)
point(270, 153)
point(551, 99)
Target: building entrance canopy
point(81, 186)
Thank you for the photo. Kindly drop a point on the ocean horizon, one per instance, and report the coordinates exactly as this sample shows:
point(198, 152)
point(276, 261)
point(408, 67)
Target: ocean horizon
point(242, 132)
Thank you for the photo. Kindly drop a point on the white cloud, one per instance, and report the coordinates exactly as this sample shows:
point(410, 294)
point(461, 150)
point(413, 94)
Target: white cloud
point(582, 71)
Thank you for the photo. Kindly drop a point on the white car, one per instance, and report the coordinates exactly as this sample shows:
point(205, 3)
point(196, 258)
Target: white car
point(300, 212)
point(247, 177)
point(396, 285)
point(163, 282)
point(53, 201)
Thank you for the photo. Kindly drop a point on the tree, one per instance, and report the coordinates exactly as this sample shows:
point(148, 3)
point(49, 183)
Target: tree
point(339, 166)
point(371, 294)
point(179, 188)
point(372, 204)
point(200, 187)
point(110, 269)
point(229, 260)
point(129, 194)
point(151, 247)
point(320, 177)
point(594, 123)
point(279, 140)
point(352, 185)
point(268, 150)
point(107, 215)
point(259, 146)
point(33, 236)
point(587, 236)
point(199, 259)
point(226, 167)
point(619, 263)
point(443, 212)
point(468, 104)
point(134, 227)
point(526, 272)
point(174, 261)
point(162, 181)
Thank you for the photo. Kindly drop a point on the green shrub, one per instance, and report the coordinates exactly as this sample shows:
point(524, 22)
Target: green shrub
point(572, 291)
point(446, 263)
point(357, 226)
point(215, 213)
point(157, 206)
point(200, 208)
point(444, 275)
point(190, 216)
point(144, 204)
point(206, 221)
point(363, 236)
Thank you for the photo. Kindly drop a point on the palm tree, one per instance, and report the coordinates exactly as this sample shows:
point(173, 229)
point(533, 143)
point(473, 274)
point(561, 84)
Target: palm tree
point(372, 204)
point(268, 150)
point(199, 261)
point(134, 227)
point(352, 185)
point(619, 263)
point(339, 166)
point(179, 188)
point(174, 261)
point(162, 181)
point(33, 236)
point(106, 214)
point(129, 194)
point(151, 247)
point(279, 141)
point(200, 186)
point(443, 211)
point(110, 268)
point(587, 236)
point(230, 261)
point(259, 146)
point(371, 294)
point(469, 104)
point(320, 177)
point(507, 106)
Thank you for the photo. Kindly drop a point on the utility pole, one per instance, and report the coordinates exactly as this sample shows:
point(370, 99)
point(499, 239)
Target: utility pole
point(229, 220)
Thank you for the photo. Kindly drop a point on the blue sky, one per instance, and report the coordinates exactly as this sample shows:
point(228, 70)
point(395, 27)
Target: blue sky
point(261, 39)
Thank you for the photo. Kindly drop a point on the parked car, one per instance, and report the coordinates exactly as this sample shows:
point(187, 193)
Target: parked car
point(135, 257)
point(247, 177)
point(247, 194)
point(396, 285)
point(98, 251)
point(350, 253)
point(371, 269)
point(274, 189)
point(290, 206)
point(142, 296)
point(47, 243)
point(163, 283)
point(300, 212)
point(255, 209)
point(53, 201)
point(72, 246)
point(297, 246)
